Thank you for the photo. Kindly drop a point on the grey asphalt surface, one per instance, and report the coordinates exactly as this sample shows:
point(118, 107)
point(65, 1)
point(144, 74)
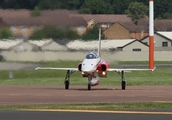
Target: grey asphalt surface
point(17, 66)
point(37, 115)
point(14, 95)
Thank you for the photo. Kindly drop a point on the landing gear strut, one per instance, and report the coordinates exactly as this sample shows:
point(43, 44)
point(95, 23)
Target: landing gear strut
point(89, 82)
point(67, 79)
point(123, 82)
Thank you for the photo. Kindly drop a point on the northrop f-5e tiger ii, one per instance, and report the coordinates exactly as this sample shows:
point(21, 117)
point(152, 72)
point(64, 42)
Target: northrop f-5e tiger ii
point(91, 66)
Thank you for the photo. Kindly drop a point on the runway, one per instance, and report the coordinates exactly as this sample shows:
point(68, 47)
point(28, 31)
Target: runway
point(18, 95)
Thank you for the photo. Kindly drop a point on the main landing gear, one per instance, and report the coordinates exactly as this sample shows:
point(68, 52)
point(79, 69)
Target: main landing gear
point(67, 78)
point(123, 82)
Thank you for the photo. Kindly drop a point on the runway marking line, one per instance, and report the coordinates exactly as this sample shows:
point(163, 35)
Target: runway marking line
point(100, 111)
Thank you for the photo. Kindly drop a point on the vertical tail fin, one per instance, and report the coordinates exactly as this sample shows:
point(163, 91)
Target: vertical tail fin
point(99, 46)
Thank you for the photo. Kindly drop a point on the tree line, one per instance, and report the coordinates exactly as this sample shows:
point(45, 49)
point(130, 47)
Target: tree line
point(49, 31)
point(162, 8)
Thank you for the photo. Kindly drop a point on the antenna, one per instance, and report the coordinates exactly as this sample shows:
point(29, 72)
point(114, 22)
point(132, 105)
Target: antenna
point(99, 45)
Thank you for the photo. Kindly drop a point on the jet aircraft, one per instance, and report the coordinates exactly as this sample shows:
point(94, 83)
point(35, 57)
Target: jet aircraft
point(91, 65)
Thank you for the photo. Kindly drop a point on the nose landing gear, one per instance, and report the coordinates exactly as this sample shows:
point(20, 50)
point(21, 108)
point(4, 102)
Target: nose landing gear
point(89, 81)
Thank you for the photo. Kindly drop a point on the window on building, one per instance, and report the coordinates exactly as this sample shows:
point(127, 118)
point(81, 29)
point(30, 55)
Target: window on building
point(91, 25)
point(137, 49)
point(164, 44)
point(81, 28)
point(142, 33)
point(108, 25)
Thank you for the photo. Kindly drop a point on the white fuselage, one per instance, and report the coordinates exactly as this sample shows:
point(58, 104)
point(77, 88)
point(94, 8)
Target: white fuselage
point(90, 65)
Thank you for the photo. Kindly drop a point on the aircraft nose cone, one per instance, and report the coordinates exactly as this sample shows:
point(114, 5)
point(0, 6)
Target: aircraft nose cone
point(88, 68)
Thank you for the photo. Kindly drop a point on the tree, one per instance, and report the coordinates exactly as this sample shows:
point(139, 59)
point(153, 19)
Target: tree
point(120, 7)
point(72, 4)
point(50, 4)
point(96, 7)
point(53, 32)
point(70, 34)
point(137, 11)
point(5, 33)
point(167, 16)
point(92, 34)
point(47, 31)
point(19, 4)
point(161, 7)
point(36, 12)
point(60, 4)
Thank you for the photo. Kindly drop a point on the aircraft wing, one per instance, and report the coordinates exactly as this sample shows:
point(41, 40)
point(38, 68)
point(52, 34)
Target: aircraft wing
point(51, 68)
point(128, 69)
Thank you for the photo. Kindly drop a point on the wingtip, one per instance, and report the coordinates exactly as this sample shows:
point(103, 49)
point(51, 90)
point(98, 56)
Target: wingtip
point(37, 68)
point(154, 69)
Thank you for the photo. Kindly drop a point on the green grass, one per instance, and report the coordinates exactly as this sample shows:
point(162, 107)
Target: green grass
point(96, 106)
point(143, 62)
point(162, 76)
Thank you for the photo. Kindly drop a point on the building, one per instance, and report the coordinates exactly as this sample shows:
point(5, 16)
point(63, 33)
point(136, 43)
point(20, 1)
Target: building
point(162, 41)
point(134, 46)
point(22, 24)
point(159, 25)
point(125, 30)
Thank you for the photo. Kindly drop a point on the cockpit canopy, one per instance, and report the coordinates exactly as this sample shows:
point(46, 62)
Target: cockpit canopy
point(92, 55)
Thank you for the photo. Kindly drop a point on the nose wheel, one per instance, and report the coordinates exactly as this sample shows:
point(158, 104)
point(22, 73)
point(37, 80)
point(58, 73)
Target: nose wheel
point(89, 86)
point(89, 82)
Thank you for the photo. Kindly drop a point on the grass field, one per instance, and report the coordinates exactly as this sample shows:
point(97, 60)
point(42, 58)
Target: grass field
point(162, 75)
point(95, 106)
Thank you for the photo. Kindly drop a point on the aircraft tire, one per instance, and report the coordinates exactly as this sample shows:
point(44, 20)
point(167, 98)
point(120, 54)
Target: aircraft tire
point(66, 84)
point(89, 86)
point(123, 84)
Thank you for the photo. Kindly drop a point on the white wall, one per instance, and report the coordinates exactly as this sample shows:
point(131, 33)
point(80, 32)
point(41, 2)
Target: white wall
point(135, 45)
point(116, 56)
